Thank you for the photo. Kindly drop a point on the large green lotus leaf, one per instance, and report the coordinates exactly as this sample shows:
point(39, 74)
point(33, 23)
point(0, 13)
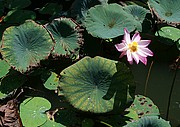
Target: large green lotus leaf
point(169, 32)
point(92, 83)
point(17, 4)
point(149, 121)
point(51, 9)
point(108, 21)
point(144, 106)
point(19, 16)
point(32, 111)
point(66, 36)
point(12, 81)
point(167, 10)
point(4, 68)
point(25, 45)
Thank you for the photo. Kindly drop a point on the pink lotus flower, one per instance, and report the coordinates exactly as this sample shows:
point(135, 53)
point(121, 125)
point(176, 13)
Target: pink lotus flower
point(134, 49)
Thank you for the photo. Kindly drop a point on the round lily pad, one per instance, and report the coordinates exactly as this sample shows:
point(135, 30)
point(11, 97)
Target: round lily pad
point(66, 36)
point(25, 45)
point(149, 121)
point(32, 111)
point(167, 10)
point(88, 83)
point(4, 68)
point(108, 21)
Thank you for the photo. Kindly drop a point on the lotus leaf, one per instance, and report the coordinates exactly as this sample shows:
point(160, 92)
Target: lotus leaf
point(169, 32)
point(25, 45)
point(96, 84)
point(139, 14)
point(4, 68)
point(32, 111)
point(66, 36)
point(19, 16)
point(108, 21)
point(167, 10)
point(149, 121)
point(144, 106)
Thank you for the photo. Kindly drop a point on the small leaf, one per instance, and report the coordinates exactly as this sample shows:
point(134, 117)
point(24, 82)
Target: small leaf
point(32, 111)
point(144, 106)
point(167, 10)
point(25, 45)
point(169, 32)
point(4, 68)
point(52, 82)
point(66, 36)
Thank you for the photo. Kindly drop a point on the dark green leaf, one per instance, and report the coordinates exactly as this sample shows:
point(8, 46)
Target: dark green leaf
point(25, 45)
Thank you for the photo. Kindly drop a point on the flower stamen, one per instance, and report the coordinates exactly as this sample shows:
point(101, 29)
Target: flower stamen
point(133, 46)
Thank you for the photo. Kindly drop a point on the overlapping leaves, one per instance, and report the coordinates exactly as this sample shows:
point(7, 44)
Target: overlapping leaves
point(66, 36)
point(108, 21)
point(167, 10)
point(92, 84)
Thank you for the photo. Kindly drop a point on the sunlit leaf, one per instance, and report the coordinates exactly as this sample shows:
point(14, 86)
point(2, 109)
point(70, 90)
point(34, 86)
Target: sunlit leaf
point(4, 68)
point(144, 106)
point(66, 36)
point(25, 45)
point(149, 121)
point(169, 32)
point(108, 21)
point(167, 10)
point(92, 84)
point(52, 81)
point(32, 111)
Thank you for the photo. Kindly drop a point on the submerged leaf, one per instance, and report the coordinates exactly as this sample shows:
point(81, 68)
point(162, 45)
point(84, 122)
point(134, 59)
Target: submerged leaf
point(96, 84)
point(32, 111)
point(25, 45)
point(167, 10)
point(108, 21)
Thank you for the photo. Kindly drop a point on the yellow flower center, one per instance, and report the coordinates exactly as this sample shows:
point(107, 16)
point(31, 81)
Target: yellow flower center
point(133, 46)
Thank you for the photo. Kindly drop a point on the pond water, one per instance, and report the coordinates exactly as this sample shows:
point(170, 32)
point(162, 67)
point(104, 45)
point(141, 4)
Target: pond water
point(158, 88)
